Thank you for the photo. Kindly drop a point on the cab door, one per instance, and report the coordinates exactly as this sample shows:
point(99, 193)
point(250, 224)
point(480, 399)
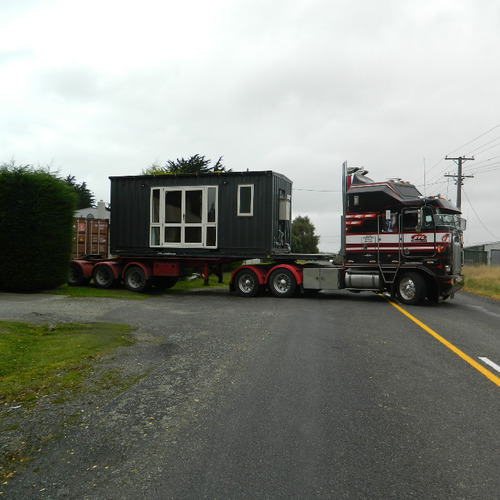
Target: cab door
point(418, 238)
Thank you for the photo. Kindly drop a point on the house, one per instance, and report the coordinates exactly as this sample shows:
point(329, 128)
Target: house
point(100, 212)
point(485, 254)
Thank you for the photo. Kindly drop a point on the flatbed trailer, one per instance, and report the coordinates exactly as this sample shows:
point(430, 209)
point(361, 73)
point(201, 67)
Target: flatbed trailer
point(141, 273)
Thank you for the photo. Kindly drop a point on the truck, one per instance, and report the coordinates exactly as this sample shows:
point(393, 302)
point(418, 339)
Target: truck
point(394, 240)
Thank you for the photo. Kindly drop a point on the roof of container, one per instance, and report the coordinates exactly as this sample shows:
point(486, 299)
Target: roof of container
point(208, 174)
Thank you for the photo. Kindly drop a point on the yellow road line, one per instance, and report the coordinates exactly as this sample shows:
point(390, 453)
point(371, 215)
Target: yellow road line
point(450, 346)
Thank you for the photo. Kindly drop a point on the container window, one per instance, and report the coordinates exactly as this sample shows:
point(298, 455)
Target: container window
point(193, 235)
point(155, 206)
point(211, 201)
point(155, 236)
point(172, 234)
point(245, 200)
point(211, 236)
point(173, 206)
point(194, 206)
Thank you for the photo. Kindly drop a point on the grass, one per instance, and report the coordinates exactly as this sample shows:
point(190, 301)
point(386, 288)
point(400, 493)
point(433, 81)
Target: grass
point(92, 291)
point(38, 360)
point(483, 280)
point(122, 293)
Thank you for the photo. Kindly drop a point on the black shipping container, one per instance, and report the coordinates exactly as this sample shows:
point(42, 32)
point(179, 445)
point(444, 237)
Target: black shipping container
point(231, 214)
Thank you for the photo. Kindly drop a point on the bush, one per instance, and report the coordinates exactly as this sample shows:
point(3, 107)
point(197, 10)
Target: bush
point(36, 224)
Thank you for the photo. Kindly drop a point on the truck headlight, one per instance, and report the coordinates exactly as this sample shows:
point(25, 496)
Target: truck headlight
point(447, 269)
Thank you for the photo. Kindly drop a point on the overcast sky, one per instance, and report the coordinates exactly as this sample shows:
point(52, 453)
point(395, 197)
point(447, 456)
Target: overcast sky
point(107, 87)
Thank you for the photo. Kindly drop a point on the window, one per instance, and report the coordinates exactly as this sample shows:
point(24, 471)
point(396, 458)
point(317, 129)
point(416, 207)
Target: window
point(245, 200)
point(184, 216)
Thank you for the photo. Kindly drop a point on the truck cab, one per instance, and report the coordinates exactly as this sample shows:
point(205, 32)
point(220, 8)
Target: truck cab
point(407, 243)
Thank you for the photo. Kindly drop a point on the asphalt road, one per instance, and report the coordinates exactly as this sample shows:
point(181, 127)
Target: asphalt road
point(333, 396)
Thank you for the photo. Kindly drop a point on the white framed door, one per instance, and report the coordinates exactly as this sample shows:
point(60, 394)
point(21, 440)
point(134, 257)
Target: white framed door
point(184, 216)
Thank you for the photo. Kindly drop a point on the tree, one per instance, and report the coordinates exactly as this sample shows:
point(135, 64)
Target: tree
point(85, 197)
point(194, 165)
point(304, 239)
point(36, 224)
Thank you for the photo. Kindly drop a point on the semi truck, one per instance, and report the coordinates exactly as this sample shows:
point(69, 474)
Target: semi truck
point(393, 239)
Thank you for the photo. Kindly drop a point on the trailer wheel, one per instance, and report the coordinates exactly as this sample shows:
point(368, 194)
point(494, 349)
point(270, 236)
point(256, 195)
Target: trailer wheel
point(246, 283)
point(411, 288)
point(75, 277)
point(282, 283)
point(135, 279)
point(103, 276)
point(164, 282)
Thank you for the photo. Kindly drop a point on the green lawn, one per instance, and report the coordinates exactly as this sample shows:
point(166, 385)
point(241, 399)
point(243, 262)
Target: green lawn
point(44, 359)
point(122, 293)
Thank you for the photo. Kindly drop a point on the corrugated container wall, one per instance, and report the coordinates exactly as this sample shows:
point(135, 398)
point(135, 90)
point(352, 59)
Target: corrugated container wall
point(90, 237)
point(233, 214)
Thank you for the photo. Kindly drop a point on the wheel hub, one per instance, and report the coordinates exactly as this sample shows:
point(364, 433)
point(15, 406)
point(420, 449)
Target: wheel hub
point(407, 289)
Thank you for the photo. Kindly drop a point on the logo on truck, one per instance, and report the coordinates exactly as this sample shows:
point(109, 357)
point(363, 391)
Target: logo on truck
point(419, 238)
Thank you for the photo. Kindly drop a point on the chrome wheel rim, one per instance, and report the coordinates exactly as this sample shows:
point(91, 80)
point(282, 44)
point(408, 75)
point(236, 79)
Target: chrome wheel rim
point(407, 289)
point(282, 283)
point(246, 283)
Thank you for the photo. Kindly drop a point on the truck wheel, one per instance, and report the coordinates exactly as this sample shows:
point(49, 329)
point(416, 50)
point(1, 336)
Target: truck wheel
point(282, 283)
point(246, 283)
point(103, 276)
point(75, 277)
point(135, 279)
point(411, 288)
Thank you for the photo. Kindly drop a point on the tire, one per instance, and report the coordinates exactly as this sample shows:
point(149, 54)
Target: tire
point(246, 283)
point(75, 277)
point(282, 283)
point(164, 282)
point(411, 289)
point(135, 279)
point(103, 276)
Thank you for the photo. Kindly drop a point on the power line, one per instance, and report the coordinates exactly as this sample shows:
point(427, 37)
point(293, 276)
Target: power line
point(483, 145)
point(478, 137)
point(318, 190)
point(479, 219)
point(484, 161)
point(486, 167)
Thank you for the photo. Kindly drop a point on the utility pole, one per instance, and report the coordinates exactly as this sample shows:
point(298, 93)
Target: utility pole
point(459, 178)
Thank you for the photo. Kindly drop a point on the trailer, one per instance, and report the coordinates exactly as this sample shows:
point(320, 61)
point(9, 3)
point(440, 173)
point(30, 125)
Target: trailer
point(394, 239)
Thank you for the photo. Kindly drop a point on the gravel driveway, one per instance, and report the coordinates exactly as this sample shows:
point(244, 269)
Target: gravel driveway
point(104, 439)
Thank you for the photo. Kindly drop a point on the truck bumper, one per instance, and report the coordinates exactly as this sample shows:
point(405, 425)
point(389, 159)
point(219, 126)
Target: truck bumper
point(448, 285)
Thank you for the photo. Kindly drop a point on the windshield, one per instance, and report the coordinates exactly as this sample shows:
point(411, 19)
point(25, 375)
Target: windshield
point(442, 218)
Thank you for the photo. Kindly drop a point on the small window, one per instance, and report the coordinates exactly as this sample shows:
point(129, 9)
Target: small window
point(245, 200)
point(155, 206)
point(211, 204)
point(155, 236)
